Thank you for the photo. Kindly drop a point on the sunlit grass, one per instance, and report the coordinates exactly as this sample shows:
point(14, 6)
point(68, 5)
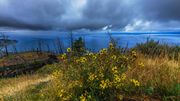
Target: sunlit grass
point(13, 86)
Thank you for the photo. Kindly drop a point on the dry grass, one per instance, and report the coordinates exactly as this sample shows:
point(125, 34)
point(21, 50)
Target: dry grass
point(20, 84)
point(156, 71)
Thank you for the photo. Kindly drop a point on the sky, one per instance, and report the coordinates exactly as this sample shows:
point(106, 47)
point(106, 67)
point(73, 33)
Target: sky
point(121, 15)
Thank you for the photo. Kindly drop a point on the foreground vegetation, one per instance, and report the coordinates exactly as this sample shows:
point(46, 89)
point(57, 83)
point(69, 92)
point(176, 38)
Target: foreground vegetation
point(109, 75)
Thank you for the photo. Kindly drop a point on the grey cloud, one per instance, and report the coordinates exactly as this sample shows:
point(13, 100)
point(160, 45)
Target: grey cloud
point(94, 14)
point(161, 10)
point(32, 14)
point(108, 12)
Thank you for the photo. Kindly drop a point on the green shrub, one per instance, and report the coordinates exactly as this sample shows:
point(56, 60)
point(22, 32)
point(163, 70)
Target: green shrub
point(78, 47)
point(95, 76)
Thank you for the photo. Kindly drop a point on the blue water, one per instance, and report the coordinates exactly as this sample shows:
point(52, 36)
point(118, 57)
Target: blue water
point(94, 40)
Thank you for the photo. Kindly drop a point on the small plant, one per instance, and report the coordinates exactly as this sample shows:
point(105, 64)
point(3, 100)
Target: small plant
point(78, 47)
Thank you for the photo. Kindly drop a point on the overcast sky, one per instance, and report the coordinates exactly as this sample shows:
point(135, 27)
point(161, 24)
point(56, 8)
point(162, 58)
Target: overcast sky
point(126, 15)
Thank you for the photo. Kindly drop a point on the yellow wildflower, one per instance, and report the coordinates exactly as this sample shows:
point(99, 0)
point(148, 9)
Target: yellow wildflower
point(90, 54)
point(63, 56)
point(123, 76)
point(135, 82)
point(117, 79)
point(105, 84)
point(114, 57)
point(68, 49)
point(92, 77)
point(83, 59)
point(94, 57)
point(115, 70)
point(103, 51)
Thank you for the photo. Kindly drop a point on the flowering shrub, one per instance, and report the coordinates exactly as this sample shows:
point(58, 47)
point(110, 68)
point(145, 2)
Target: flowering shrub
point(95, 76)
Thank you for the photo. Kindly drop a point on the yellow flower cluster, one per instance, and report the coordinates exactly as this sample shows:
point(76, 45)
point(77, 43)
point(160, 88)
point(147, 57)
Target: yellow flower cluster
point(135, 82)
point(92, 77)
point(105, 84)
point(94, 57)
point(103, 51)
point(90, 54)
point(114, 70)
point(63, 56)
point(109, 75)
point(118, 79)
point(81, 60)
point(123, 77)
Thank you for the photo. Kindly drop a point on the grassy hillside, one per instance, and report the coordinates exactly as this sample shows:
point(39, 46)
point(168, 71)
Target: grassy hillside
point(109, 75)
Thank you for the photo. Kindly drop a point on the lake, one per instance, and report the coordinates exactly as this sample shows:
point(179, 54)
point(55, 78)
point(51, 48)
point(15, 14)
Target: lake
point(94, 40)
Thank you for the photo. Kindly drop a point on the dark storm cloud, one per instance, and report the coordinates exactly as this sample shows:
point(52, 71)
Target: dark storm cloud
point(161, 10)
point(31, 14)
point(18, 24)
point(90, 14)
point(108, 12)
point(96, 14)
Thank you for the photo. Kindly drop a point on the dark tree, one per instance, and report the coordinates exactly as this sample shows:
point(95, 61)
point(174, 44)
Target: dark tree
point(79, 46)
point(5, 42)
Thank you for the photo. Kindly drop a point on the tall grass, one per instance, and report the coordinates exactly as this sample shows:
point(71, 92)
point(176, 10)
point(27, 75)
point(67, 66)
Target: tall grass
point(154, 48)
point(160, 77)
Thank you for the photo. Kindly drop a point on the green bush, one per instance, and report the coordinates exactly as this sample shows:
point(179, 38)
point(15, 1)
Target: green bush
point(78, 47)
